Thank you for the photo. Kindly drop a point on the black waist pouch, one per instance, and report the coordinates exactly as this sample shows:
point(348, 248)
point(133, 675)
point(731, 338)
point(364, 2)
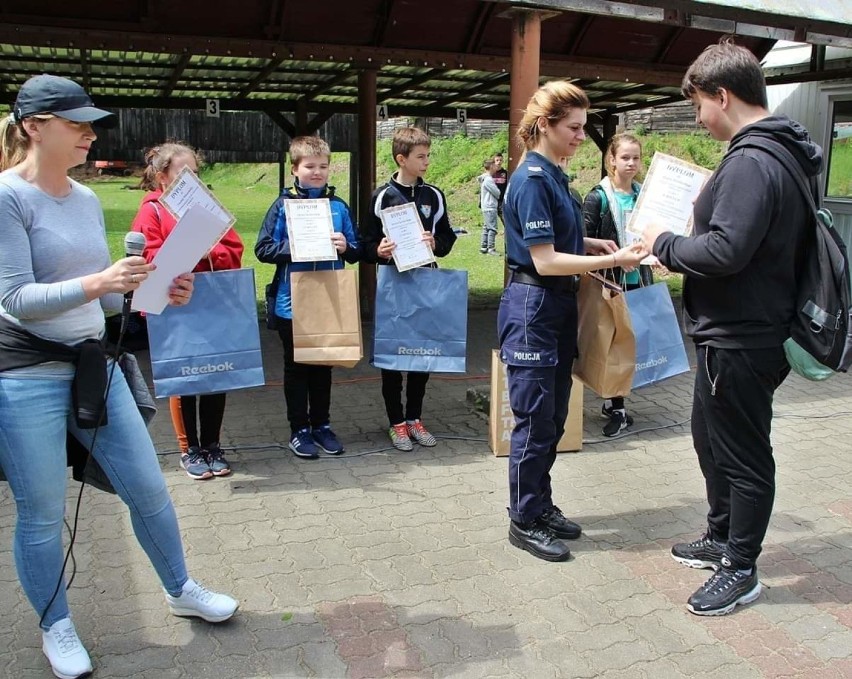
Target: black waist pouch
point(89, 386)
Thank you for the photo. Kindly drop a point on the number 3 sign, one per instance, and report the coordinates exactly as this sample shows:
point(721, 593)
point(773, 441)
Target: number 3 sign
point(212, 108)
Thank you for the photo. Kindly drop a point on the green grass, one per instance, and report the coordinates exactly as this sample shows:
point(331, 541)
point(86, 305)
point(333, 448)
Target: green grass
point(248, 190)
point(840, 175)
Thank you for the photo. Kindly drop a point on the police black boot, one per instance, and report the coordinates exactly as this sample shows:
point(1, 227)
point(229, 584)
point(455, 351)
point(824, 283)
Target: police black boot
point(538, 539)
point(561, 526)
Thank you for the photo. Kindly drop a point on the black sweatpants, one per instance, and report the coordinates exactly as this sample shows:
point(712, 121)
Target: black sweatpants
point(731, 423)
point(415, 392)
point(307, 388)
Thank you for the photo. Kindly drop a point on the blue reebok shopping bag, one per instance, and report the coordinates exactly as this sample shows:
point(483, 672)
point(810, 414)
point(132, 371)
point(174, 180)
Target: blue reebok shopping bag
point(659, 344)
point(213, 343)
point(420, 320)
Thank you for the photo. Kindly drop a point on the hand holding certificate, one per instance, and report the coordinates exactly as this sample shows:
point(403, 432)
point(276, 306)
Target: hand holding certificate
point(310, 227)
point(188, 190)
point(402, 225)
point(201, 222)
point(195, 233)
point(670, 188)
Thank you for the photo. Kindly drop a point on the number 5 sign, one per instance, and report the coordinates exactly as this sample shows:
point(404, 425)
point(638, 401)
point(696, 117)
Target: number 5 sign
point(212, 108)
point(461, 116)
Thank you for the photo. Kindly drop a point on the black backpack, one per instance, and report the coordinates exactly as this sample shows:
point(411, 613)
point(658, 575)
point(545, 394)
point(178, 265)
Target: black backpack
point(822, 325)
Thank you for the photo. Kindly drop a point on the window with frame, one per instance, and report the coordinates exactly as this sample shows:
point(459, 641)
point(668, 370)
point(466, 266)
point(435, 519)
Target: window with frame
point(839, 174)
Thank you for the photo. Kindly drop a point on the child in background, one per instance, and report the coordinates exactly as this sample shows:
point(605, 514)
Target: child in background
point(201, 455)
point(606, 212)
point(307, 388)
point(489, 199)
point(411, 154)
point(501, 178)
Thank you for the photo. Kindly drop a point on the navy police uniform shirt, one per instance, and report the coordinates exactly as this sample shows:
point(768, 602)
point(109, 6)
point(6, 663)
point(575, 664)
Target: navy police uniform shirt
point(537, 210)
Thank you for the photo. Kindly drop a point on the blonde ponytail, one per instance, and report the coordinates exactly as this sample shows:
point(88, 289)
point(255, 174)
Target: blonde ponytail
point(13, 143)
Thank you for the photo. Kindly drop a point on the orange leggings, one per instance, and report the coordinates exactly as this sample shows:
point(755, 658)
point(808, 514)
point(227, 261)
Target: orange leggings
point(177, 423)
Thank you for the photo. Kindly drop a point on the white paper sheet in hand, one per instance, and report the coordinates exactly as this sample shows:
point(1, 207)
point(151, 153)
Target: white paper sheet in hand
point(193, 236)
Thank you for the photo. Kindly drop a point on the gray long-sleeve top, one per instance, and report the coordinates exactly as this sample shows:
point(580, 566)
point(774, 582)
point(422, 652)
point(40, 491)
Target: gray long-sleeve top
point(47, 245)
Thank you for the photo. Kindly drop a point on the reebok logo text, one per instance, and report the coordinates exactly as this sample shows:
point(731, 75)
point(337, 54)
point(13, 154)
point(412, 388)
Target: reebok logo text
point(653, 363)
point(205, 369)
point(417, 351)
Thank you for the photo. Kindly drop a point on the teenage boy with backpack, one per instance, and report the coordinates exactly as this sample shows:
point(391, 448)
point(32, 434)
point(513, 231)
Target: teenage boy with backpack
point(751, 228)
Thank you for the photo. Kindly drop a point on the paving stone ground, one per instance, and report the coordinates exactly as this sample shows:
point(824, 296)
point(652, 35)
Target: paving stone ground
point(388, 564)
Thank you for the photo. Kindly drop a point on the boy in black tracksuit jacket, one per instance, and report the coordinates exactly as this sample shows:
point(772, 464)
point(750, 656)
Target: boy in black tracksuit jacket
point(741, 264)
point(411, 154)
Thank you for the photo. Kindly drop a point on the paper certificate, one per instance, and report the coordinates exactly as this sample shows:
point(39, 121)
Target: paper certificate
point(309, 228)
point(188, 190)
point(194, 234)
point(402, 225)
point(670, 188)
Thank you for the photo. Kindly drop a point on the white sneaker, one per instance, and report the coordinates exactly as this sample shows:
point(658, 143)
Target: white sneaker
point(64, 650)
point(200, 602)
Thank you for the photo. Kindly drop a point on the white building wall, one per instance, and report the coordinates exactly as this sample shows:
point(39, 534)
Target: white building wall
point(811, 105)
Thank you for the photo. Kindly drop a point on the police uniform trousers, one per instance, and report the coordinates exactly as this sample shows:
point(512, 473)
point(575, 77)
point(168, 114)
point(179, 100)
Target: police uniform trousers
point(537, 328)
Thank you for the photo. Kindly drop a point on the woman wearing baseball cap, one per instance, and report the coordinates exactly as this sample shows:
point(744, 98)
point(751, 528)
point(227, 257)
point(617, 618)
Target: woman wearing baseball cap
point(56, 280)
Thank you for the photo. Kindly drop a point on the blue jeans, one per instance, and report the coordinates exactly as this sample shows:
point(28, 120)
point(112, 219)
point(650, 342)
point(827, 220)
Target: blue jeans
point(34, 417)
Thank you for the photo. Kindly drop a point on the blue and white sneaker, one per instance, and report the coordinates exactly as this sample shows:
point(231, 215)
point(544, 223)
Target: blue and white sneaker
point(302, 444)
point(195, 464)
point(327, 440)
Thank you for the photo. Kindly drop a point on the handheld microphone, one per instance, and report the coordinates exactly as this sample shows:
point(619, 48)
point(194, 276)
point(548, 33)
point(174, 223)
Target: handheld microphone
point(134, 246)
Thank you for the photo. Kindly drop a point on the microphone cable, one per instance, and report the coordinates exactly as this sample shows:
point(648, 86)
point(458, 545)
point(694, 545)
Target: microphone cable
point(69, 552)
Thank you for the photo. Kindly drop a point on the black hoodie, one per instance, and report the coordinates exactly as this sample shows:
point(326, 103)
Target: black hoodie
point(743, 258)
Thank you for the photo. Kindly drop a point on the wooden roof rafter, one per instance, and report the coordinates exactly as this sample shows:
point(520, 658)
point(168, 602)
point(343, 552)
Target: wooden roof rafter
point(384, 19)
point(84, 68)
point(264, 73)
point(324, 87)
point(417, 80)
point(576, 38)
point(177, 71)
point(486, 86)
point(477, 30)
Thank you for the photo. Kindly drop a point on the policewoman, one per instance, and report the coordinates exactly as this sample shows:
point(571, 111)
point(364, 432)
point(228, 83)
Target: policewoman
point(537, 321)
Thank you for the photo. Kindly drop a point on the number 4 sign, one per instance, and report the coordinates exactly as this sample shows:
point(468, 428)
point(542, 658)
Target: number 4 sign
point(382, 111)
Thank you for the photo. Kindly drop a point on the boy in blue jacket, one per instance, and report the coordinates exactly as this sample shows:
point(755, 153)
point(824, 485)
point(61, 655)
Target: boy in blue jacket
point(307, 388)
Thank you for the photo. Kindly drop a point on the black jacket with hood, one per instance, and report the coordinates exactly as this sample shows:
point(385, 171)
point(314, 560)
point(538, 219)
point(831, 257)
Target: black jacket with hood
point(743, 258)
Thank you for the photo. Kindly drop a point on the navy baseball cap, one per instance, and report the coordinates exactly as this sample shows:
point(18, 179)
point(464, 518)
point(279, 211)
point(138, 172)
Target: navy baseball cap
point(61, 97)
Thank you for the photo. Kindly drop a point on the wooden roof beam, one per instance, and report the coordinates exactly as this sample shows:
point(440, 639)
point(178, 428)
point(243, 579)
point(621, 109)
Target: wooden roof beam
point(177, 72)
point(417, 80)
point(672, 38)
point(325, 53)
point(383, 22)
point(270, 68)
point(84, 68)
point(324, 87)
point(462, 95)
point(282, 122)
point(477, 30)
point(578, 35)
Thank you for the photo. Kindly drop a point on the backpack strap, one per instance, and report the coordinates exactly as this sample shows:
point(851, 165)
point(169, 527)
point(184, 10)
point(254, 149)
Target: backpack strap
point(807, 186)
point(604, 201)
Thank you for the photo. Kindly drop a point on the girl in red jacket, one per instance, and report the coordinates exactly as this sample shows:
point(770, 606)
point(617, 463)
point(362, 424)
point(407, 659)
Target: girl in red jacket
point(201, 455)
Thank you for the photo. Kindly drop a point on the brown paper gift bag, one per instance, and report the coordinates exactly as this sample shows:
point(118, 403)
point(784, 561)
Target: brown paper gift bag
point(605, 341)
point(326, 317)
point(501, 421)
